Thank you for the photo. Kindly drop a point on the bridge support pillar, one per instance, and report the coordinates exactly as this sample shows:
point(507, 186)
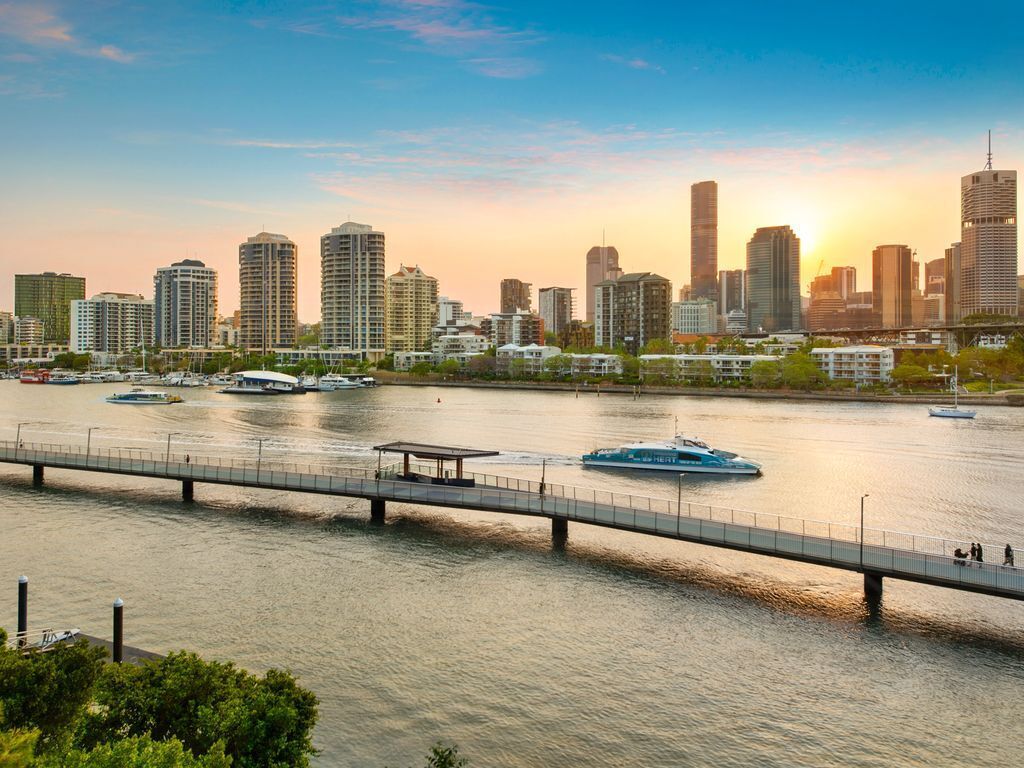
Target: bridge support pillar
point(559, 530)
point(187, 490)
point(377, 511)
point(37, 474)
point(872, 585)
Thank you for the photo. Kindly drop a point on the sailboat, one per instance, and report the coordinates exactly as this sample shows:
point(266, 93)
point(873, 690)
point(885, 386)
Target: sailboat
point(956, 412)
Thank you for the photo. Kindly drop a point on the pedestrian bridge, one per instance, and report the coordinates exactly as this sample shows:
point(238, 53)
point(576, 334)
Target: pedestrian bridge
point(874, 552)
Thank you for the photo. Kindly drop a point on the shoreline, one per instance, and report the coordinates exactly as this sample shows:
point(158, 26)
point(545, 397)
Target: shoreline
point(628, 389)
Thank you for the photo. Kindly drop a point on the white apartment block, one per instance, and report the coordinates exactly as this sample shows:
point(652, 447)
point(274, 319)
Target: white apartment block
point(185, 305)
point(866, 364)
point(28, 331)
point(695, 316)
point(598, 364)
point(445, 347)
point(532, 356)
point(406, 360)
point(716, 368)
point(113, 323)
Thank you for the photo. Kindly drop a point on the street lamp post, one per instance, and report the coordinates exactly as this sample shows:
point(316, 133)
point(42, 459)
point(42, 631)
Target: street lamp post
point(17, 439)
point(259, 459)
point(862, 529)
point(679, 495)
point(543, 475)
point(88, 440)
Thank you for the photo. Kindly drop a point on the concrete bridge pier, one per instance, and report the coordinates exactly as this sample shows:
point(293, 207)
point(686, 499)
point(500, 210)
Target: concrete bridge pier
point(37, 474)
point(377, 511)
point(559, 530)
point(872, 585)
point(187, 490)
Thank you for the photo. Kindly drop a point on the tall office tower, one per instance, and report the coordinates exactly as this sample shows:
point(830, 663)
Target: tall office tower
point(515, 295)
point(988, 236)
point(696, 316)
point(410, 310)
point(934, 276)
point(556, 308)
point(602, 264)
point(773, 280)
point(844, 281)
point(268, 278)
point(114, 323)
point(48, 297)
point(732, 290)
point(352, 289)
point(704, 240)
point(953, 313)
point(632, 310)
point(6, 328)
point(892, 286)
point(185, 305)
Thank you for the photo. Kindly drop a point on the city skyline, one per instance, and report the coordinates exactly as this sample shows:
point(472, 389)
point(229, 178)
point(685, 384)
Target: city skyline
point(129, 153)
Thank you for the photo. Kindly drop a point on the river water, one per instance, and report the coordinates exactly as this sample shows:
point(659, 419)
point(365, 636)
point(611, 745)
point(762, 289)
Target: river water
point(469, 627)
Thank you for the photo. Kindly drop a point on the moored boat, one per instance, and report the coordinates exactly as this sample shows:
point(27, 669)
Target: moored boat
point(34, 376)
point(954, 411)
point(139, 396)
point(679, 454)
point(263, 383)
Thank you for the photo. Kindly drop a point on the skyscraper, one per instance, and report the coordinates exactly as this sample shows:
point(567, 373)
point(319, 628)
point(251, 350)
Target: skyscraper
point(934, 277)
point(352, 289)
point(268, 279)
point(185, 305)
point(114, 323)
point(953, 314)
point(844, 281)
point(48, 297)
point(892, 285)
point(988, 234)
point(732, 290)
point(555, 308)
point(515, 295)
point(632, 310)
point(704, 240)
point(773, 280)
point(602, 264)
point(410, 310)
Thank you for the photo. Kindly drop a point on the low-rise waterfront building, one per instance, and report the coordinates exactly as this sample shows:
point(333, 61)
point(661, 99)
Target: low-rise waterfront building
point(702, 368)
point(863, 364)
point(595, 365)
point(521, 328)
point(454, 345)
point(528, 359)
point(404, 361)
point(25, 354)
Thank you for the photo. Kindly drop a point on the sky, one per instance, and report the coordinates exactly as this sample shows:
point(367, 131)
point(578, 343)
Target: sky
point(490, 140)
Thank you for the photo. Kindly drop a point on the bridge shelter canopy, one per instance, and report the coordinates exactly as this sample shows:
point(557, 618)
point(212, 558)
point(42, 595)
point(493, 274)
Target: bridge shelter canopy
point(437, 453)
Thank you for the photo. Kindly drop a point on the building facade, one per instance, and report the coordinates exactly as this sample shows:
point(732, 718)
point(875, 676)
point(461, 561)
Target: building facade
point(773, 280)
point(185, 305)
point(732, 290)
point(892, 286)
point(526, 359)
point(268, 276)
point(935, 276)
point(410, 310)
point(865, 364)
point(704, 240)
point(515, 295)
point(632, 310)
point(602, 264)
point(952, 284)
point(6, 327)
point(701, 368)
point(988, 236)
point(29, 331)
point(555, 307)
point(47, 297)
point(352, 289)
point(694, 316)
point(114, 323)
point(519, 328)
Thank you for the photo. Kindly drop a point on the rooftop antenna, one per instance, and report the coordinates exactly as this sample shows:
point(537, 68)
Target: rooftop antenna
point(988, 165)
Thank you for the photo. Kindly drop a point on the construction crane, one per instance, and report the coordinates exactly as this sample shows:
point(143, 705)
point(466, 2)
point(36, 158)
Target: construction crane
point(821, 266)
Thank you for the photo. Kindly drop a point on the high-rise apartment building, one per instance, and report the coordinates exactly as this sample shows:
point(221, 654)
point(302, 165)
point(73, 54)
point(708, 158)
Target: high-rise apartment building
point(632, 310)
point(732, 290)
point(602, 264)
point(449, 311)
point(28, 331)
point(704, 240)
point(844, 281)
point(352, 289)
point(555, 308)
point(185, 305)
point(952, 286)
point(6, 328)
point(892, 286)
point(988, 236)
point(410, 310)
point(114, 323)
point(694, 316)
point(773, 280)
point(48, 298)
point(515, 295)
point(268, 277)
point(520, 328)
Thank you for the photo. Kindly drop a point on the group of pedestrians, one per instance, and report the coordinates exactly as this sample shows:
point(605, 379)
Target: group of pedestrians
point(977, 555)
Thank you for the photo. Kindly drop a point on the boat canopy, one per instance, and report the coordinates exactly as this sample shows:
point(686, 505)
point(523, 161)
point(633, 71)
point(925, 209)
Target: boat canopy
point(267, 377)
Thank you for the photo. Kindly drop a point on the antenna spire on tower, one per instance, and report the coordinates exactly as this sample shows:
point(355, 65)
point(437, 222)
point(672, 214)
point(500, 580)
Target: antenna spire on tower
point(988, 165)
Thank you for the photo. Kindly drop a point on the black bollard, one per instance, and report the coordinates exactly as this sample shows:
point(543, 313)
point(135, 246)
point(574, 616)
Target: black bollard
point(22, 610)
point(118, 630)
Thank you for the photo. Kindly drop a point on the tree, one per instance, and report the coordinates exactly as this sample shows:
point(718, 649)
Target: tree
point(421, 369)
point(445, 757)
point(799, 371)
point(659, 347)
point(482, 365)
point(387, 363)
point(907, 375)
point(449, 367)
point(764, 373)
point(137, 752)
point(558, 365)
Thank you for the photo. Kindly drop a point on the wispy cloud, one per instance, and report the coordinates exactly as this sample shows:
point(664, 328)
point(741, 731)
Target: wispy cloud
point(514, 68)
point(41, 28)
point(272, 144)
point(634, 63)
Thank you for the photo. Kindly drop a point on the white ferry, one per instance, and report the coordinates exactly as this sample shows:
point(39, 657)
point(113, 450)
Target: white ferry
point(680, 454)
point(139, 396)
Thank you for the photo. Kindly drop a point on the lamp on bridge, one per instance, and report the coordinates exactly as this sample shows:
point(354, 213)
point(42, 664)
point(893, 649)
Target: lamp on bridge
point(862, 529)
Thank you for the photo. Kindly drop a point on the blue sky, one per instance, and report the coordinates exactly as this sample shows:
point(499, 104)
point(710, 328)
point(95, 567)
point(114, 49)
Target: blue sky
point(135, 132)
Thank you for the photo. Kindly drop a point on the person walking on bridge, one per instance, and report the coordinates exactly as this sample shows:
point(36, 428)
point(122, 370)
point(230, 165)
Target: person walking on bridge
point(974, 551)
point(980, 558)
point(1008, 556)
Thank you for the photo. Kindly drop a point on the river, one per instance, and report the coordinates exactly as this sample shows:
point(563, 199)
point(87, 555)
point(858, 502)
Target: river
point(622, 649)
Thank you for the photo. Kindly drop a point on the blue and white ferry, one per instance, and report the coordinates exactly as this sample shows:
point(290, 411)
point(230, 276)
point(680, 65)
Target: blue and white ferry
point(680, 454)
